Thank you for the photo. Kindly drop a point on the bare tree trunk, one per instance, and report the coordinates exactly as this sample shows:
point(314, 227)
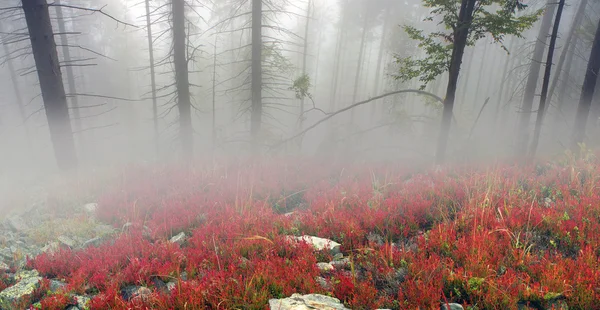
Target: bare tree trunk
point(465, 18)
point(338, 62)
point(181, 78)
point(465, 87)
point(304, 58)
point(152, 78)
point(69, 69)
point(361, 54)
point(214, 93)
point(51, 84)
point(380, 58)
point(532, 80)
point(480, 74)
point(563, 55)
point(587, 91)
point(256, 116)
point(316, 80)
point(542, 108)
point(562, 91)
point(507, 66)
point(16, 88)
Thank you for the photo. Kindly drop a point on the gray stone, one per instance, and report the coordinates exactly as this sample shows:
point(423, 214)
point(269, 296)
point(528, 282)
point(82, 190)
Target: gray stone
point(135, 292)
point(90, 208)
point(56, 286)
point(95, 242)
point(16, 293)
point(67, 241)
point(82, 302)
point(179, 238)
point(375, 238)
point(451, 306)
point(4, 267)
point(24, 274)
point(6, 254)
point(323, 283)
point(342, 263)
point(51, 247)
point(306, 302)
point(171, 285)
point(71, 307)
point(318, 243)
point(325, 267)
point(16, 223)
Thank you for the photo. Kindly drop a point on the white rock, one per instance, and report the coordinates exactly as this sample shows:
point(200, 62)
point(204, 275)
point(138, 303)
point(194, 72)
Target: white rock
point(306, 302)
point(319, 243)
point(325, 267)
point(90, 208)
point(179, 238)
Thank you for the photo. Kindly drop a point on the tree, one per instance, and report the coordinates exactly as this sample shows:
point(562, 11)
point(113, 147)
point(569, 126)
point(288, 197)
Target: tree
point(546, 83)
point(444, 51)
point(532, 80)
point(43, 46)
point(256, 87)
point(180, 61)
point(587, 91)
point(152, 76)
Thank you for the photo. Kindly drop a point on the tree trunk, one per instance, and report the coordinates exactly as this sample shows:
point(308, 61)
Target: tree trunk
point(214, 96)
point(587, 91)
point(380, 57)
point(51, 84)
point(304, 57)
point(68, 68)
point(316, 79)
point(16, 88)
point(255, 118)
point(499, 102)
point(465, 18)
point(360, 59)
point(465, 86)
point(480, 74)
point(562, 91)
point(338, 61)
point(563, 55)
point(152, 78)
point(540, 114)
point(532, 80)
point(181, 78)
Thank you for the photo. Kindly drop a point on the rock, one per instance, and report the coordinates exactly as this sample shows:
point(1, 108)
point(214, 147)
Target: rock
point(71, 307)
point(323, 283)
point(4, 267)
point(306, 302)
point(171, 285)
point(51, 247)
point(16, 224)
point(340, 264)
point(95, 242)
point(6, 254)
point(126, 226)
point(451, 306)
point(67, 241)
point(548, 202)
point(103, 230)
point(179, 238)
point(134, 292)
point(56, 286)
point(24, 274)
point(184, 276)
point(325, 267)
point(319, 243)
point(82, 302)
point(90, 208)
point(16, 293)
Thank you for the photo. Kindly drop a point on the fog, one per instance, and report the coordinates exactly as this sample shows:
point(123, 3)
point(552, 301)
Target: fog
point(350, 50)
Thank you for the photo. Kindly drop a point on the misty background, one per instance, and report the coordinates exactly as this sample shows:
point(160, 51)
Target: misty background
point(318, 56)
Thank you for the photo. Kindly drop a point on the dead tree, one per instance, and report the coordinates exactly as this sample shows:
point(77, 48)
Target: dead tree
point(546, 83)
point(152, 76)
point(181, 78)
point(532, 80)
point(256, 83)
point(41, 35)
point(587, 92)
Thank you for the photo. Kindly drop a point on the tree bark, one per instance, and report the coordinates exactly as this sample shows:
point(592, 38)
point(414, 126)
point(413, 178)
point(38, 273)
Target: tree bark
point(507, 66)
point(563, 55)
point(181, 78)
point(587, 91)
point(542, 107)
point(361, 54)
point(562, 91)
point(256, 84)
point(461, 33)
point(152, 78)
point(69, 69)
point(532, 80)
point(214, 96)
point(43, 46)
point(16, 88)
point(304, 58)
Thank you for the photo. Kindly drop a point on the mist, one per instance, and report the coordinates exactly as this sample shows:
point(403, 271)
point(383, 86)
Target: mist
point(106, 85)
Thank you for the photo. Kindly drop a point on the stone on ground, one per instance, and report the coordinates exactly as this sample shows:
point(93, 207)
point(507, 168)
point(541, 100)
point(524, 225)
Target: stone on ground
point(18, 292)
point(306, 302)
point(319, 243)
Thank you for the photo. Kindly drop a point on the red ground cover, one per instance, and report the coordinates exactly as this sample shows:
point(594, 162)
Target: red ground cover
point(489, 238)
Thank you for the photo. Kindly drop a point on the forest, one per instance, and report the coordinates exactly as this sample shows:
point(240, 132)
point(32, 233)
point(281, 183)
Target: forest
point(299, 154)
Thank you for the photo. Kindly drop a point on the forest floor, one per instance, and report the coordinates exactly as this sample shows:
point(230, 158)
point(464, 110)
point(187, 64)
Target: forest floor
point(502, 237)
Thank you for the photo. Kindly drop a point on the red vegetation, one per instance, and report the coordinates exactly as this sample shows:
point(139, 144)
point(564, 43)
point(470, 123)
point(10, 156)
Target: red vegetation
point(485, 237)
